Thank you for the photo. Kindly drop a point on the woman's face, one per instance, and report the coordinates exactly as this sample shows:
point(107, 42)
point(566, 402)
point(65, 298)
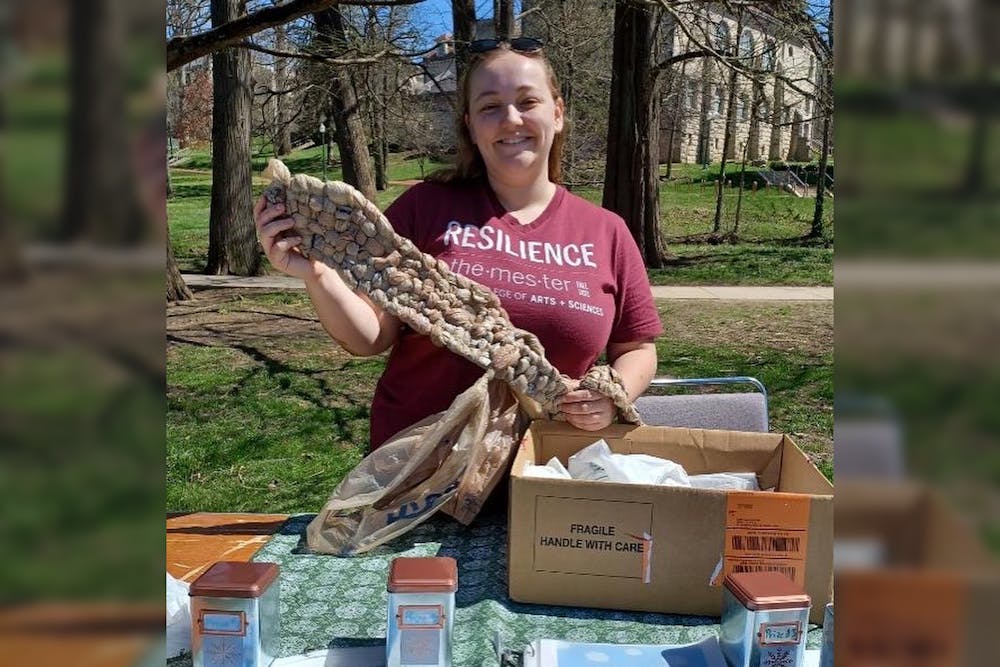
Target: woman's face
point(513, 117)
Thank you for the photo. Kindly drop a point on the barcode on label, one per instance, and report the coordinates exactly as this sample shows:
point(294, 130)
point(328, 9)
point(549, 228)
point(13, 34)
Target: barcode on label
point(766, 567)
point(765, 543)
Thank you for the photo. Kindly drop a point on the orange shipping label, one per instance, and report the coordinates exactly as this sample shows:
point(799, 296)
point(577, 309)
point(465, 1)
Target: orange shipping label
point(766, 532)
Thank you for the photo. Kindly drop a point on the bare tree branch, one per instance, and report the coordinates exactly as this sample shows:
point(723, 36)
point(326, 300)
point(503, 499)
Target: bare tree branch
point(681, 57)
point(705, 49)
point(181, 50)
point(317, 57)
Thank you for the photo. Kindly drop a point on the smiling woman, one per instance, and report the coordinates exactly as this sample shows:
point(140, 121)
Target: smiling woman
point(564, 269)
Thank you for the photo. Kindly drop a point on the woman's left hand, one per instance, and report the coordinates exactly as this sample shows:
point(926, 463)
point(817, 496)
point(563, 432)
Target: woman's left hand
point(587, 410)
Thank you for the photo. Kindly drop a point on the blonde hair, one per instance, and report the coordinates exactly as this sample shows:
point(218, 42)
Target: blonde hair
point(469, 163)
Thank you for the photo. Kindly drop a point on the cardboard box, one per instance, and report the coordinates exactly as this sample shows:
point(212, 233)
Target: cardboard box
point(911, 573)
point(654, 548)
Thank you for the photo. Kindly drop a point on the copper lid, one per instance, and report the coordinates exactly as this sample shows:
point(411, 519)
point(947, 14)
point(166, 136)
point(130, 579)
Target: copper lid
point(232, 579)
point(438, 574)
point(766, 590)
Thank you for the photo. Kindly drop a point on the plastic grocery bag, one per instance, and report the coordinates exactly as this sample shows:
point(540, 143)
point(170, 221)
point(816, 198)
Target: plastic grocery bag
point(451, 461)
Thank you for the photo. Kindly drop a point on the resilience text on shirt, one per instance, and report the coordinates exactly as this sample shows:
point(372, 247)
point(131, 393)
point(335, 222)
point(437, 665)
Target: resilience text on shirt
point(539, 252)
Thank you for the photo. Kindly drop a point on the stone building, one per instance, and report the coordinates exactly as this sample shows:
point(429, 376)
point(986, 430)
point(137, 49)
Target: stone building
point(891, 41)
point(768, 118)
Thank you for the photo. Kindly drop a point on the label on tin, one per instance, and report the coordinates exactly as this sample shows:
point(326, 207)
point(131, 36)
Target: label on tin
point(780, 633)
point(222, 622)
point(766, 532)
point(421, 616)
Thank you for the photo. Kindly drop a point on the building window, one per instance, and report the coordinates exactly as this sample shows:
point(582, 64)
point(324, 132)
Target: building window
point(721, 37)
point(767, 60)
point(743, 110)
point(764, 113)
point(746, 45)
point(812, 66)
point(716, 142)
point(718, 100)
point(790, 52)
point(692, 94)
point(787, 115)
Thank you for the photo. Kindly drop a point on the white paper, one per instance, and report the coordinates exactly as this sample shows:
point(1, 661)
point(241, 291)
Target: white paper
point(178, 617)
point(597, 463)
point(554, 469)
point(590, 462)
point(726, 481)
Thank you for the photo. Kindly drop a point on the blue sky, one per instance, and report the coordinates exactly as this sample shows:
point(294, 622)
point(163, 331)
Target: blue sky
point(434, 16)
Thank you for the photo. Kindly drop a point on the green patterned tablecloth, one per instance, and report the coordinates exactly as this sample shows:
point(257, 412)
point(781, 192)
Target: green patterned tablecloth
point(330, 602)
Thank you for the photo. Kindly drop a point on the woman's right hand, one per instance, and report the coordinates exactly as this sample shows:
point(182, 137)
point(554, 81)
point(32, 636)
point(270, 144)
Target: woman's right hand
point(280, 248)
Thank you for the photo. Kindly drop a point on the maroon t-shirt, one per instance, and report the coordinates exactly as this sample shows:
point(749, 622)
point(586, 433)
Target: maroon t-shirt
point(573, 277)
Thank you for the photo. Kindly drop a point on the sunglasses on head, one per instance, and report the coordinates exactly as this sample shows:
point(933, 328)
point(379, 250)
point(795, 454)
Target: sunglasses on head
point(518, 44)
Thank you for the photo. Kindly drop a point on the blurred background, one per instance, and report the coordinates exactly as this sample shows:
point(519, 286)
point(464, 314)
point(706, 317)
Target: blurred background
point(82, 211)
point(82, 196)
point(917, 325)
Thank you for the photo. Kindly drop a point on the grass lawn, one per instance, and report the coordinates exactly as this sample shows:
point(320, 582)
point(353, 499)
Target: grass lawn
point(745, 264)
point(36, 110)
point(787, 346)
point(771, 224)
point(266, 414)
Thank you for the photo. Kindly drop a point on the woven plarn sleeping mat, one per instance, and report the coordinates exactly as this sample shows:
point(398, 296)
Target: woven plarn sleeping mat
point(344, 230)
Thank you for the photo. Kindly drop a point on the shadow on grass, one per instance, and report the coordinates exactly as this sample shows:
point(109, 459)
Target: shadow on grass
point(727, 258)
point(280, 371)
point(714, 239)
point(183, 190)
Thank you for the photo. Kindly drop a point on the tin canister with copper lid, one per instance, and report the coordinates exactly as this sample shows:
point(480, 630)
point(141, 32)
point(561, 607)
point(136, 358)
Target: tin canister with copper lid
point(421, 611)
point(234, 615)
point(765, 617)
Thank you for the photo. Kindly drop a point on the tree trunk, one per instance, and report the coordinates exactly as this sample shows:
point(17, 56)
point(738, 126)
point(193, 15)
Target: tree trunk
point(777, 113)
point(232, 246)
point(735, 234)
point(378, 144)
point(503, 18)
point(11, 264)
point(631, 183)
point(282, 129)
point(827, 96)
point(99, 203)
point(177, 289)
point(727, 147)
point(817, 224)
point(375, 103)
point(729, 133)
point(463, 19)
point(976, 166)
point(753, 133)
point(680, 86)
point(346, 111)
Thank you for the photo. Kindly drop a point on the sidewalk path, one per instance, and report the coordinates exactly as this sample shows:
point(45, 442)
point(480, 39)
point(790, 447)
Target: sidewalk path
point(749, 293)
